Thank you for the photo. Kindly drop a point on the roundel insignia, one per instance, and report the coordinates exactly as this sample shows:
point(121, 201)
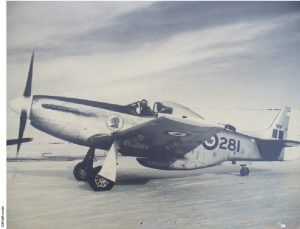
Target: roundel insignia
point(177, 134)
point(114, 122)
point(212, 143)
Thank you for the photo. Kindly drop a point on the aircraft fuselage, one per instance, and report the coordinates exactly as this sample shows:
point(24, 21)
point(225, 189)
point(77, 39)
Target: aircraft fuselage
point(89, 123)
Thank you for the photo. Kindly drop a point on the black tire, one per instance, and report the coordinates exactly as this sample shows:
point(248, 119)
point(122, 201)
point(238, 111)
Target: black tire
point(99, 183)
point(80, 173)
point(247, 171)
point(244, 171)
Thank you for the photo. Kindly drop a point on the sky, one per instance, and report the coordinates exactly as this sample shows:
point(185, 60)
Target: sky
point(200, 54)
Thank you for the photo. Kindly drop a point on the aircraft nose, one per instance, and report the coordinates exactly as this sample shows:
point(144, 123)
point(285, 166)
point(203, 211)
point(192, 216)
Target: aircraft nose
point(19, 104)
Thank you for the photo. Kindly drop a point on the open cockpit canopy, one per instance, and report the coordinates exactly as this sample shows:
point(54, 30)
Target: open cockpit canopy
point(175, 109)
point(142, 108)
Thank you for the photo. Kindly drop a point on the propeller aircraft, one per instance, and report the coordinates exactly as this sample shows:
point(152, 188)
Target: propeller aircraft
point(168, 136)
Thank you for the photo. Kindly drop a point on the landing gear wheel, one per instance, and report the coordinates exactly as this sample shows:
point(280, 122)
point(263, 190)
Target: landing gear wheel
point(99, 183)
point(82, 169)
point(244, 171)
point(80, 172)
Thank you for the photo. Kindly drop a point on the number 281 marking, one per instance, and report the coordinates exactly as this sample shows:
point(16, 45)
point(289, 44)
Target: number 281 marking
point(230, 144)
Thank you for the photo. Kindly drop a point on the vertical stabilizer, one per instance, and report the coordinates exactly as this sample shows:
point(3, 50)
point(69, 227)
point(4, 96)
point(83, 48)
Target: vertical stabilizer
point(271, 142)
point(279, 127)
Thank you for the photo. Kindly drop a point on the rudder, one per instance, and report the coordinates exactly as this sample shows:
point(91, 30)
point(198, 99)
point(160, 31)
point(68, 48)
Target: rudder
point(279, 127)
point(271, 144)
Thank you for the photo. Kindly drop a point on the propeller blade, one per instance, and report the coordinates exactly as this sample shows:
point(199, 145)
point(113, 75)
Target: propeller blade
point(22, 124)
point(15, 141)
point(23, 116)
point(27, 91)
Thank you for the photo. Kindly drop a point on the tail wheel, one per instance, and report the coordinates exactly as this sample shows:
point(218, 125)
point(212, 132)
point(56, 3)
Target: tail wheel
point(99, 183)
point(80, 172)
point(244, 171)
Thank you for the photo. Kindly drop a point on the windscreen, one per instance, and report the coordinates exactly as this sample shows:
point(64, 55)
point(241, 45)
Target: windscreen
point(180, 110)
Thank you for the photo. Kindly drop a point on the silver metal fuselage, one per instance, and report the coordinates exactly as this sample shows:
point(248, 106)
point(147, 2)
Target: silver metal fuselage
point(74, 120)
point(85, 123)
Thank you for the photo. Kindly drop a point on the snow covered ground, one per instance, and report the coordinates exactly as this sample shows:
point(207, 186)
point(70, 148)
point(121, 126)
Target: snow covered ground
point(44, 194)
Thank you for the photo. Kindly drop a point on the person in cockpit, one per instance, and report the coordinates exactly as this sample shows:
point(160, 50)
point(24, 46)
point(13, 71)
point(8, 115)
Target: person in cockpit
point(145, 109)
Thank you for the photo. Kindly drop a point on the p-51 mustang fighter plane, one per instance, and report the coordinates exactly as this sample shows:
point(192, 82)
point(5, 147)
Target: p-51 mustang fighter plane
point(169, 136)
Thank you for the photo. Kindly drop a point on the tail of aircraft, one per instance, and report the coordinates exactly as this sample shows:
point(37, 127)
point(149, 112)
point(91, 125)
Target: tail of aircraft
point(279, 127)
point(271, 143)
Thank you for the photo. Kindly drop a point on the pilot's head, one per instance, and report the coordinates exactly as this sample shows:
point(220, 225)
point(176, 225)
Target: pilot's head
point(144, 102)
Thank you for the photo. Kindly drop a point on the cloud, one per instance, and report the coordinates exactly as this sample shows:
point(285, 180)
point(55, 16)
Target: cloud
point(53, 25)
point(214, 46)
point(146, 38)
point(90, 27)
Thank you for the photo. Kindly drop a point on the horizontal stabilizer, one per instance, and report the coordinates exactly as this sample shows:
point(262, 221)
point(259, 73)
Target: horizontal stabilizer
point(289, 143)
point(273, 149)
point(279, 143)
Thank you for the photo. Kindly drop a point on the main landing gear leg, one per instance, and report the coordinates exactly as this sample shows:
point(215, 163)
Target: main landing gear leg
point(244, 170)
point(103, 178)
point(83, 169)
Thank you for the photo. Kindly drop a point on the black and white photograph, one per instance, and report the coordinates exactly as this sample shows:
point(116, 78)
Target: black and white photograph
point(152, 114)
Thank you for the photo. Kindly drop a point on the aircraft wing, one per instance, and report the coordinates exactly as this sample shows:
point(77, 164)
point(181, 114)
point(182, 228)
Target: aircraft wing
point(165, 136)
